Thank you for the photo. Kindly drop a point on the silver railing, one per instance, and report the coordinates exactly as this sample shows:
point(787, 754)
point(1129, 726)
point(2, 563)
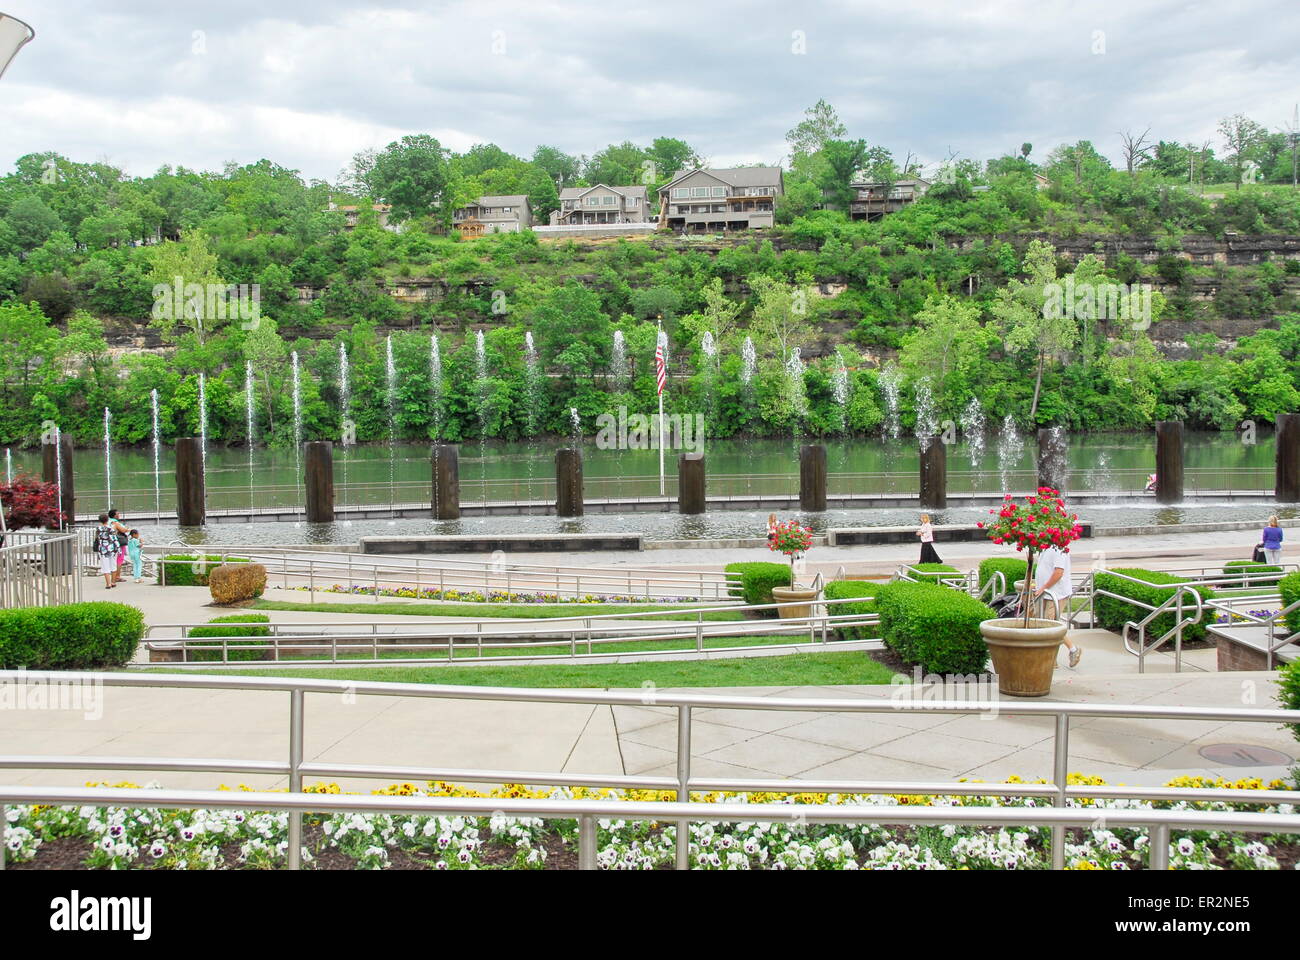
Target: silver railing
point(488, 640)
point(39, 569)
point(1273, 643)
point(314, 571)
point(295, 766)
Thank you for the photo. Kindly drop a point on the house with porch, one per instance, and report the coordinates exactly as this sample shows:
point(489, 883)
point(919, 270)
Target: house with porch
point(871, 201)
point(580, 206)
point(504, 214)
point(714, 200)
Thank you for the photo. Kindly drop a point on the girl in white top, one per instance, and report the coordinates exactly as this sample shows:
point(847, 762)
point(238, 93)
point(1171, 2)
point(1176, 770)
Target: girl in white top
point(926, 533)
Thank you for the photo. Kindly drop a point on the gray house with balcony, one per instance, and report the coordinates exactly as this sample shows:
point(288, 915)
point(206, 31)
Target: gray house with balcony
point(710, 201)
point(601, 204)
point(871, 201)
point(506, 214)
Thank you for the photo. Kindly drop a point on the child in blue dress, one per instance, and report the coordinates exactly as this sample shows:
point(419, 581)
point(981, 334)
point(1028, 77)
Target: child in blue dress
point(135, 554)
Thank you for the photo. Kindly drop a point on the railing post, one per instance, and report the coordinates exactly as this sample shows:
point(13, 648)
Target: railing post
point(1060, 778)
point(683, 784)
point(586, 843)
point(699, 631)
point(295, 777)
point(1159, 856)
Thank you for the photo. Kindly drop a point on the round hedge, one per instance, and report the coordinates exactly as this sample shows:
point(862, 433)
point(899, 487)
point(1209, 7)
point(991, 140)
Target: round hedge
point(74, 636)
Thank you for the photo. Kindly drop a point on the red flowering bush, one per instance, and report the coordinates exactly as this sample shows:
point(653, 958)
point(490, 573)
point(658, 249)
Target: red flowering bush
point(1037, 523)
point(28, 502)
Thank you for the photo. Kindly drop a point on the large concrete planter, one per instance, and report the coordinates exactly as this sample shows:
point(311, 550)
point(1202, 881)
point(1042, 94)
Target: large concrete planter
point(795, 602)
point(1023, 657)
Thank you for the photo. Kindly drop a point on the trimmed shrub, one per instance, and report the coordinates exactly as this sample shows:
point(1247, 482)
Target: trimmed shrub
point(1289, 587)
point(236, 582)
point(74, 636)
point(256, 628)
point(1288, 692)
point(932, 571)
point(844, 589)
point(1113, 614)
point(934, 626)
point(757, 580)
point(1235, 568)
point(1013, 568)
point(190, 569)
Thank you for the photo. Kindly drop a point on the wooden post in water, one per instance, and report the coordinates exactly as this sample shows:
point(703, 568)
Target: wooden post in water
point(1169, 461)
point(568, 482)
point(1287, 489)
point(812, 478)
point(56, 467)
point(934, 474)
point(1053, 462)
point(318, 480)
point(446, 481)
point(690, 483)
point(190, 508)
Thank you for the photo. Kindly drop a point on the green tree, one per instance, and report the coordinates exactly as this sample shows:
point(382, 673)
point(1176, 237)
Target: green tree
point(413, 175)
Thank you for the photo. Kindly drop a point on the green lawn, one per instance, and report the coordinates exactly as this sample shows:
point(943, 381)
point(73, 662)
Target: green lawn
point(503, 610)
point(800, 669)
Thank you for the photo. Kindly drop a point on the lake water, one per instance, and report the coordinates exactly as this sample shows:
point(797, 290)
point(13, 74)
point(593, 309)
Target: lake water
point(1116, 464)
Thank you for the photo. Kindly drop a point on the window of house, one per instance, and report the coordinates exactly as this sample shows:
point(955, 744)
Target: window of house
point(593, 201)
point(680, 192)
point(699, 191)
point(719, 191)
point(607, 201)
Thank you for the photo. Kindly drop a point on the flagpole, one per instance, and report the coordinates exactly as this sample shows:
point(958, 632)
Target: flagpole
point(658, 346)
point(661, 445)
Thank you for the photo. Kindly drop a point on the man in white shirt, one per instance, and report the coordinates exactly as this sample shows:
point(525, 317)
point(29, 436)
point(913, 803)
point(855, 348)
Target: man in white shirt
point(1052, 586)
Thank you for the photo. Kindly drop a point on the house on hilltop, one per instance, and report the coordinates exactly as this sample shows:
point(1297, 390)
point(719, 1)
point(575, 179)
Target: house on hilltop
point(711, 200)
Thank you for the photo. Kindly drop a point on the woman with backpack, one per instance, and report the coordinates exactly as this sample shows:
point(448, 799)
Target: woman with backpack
point(1272, 541)
point(122, 534)
point(106, 548)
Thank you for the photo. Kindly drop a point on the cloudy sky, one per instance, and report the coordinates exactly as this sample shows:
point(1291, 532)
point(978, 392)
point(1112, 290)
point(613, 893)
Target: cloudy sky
point(141, 83)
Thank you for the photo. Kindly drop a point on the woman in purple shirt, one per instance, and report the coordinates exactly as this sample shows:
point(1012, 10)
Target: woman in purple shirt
point(1273, 541)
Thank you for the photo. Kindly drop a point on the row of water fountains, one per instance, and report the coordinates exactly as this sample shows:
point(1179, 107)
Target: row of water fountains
point(972, 421)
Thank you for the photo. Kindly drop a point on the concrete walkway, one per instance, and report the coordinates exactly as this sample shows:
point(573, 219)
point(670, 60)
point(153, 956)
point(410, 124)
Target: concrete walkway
point(582, 738)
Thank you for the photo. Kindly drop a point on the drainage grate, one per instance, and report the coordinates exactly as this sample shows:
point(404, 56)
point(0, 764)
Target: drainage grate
point(1244, 755)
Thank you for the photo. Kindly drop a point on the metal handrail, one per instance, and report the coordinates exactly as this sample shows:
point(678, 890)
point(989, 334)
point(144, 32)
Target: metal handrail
point(585, 631)
point(476, 574)
point(1059, 791)
point(1176, 631)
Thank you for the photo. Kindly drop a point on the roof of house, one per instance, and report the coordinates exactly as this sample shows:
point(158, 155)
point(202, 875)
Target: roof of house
point(573, 193)
point(736, 176)
point(505, 201)
point(906, 181)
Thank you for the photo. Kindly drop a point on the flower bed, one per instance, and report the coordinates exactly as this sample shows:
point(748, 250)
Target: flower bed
point(122, 838)
point(490, 596)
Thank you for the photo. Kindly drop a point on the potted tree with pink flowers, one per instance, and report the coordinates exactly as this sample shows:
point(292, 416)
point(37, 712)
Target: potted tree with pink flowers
point(794, 540)
point(1024, 648)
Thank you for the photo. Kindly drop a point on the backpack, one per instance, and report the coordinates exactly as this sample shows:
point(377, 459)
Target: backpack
point(105, 542)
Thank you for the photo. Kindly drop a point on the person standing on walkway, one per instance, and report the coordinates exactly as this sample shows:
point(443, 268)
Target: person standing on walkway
point(1052, 589)
point(926, 533)
point(135, 553)
point(106, 550)
point(771, 527)
point(1273, 541)
point(123, 535)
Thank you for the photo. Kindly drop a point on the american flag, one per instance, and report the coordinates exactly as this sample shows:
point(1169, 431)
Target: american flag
point(661, 372)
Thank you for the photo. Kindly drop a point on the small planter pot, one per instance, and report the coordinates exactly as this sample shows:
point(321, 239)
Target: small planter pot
point(1023, 657)
point(795, 602)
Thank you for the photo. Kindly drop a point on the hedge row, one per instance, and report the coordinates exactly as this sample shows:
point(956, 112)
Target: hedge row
point(934, 626)
point(757, 580)
point(1235, 568)
point(932, 571)
point(75, 636)
point(1289, 586)
point(191, 570)
point(257, 628)
point(1113, 613)
point(1012, 569)
point(843, 590)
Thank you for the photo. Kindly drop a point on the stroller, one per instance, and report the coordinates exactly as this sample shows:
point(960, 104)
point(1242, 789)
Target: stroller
point(1006, 606)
